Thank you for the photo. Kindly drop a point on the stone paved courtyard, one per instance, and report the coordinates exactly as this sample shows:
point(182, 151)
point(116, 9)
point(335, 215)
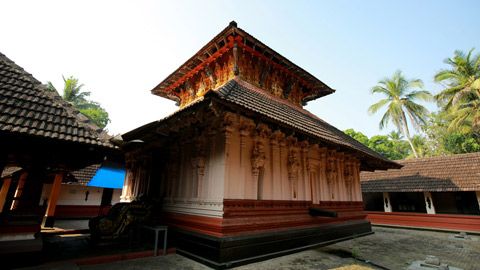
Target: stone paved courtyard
point(388, 248)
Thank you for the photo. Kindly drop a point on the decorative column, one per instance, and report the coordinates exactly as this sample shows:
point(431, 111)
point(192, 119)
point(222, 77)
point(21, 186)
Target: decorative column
point(4, 192)
point(227, 132)
point(246, 188)
point(129, 182)
point(348, 169)
point(429, 203)
point(274, 168)
point(172, 173)
point(323, 189)
point(293, 169)
point(331, 175)
point(258, 162)
point(49, 219)
point(387, 205)
point(312, 182)
point(305, 176)
point(212, 135)
point(198, 164)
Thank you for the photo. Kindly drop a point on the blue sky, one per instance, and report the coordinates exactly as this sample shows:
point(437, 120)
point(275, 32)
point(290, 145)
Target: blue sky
point(121, 50)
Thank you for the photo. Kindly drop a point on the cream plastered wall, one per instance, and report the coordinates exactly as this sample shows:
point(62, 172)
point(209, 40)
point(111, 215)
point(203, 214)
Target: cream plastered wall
point(76, 194)
point(243, 160)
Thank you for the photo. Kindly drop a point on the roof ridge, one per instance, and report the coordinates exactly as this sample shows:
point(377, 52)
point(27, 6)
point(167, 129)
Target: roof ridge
point(439, 157)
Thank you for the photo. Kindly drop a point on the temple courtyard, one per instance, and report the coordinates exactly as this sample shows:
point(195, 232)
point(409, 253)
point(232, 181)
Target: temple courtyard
point(387, 248)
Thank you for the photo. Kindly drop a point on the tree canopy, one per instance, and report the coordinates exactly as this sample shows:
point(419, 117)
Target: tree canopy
point(400, 101)
point(461, 96)
point(72, 92)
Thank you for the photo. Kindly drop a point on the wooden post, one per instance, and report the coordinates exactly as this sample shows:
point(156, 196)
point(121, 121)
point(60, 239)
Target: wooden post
point(18, 191)
point(49, 218)
point(429, 203)
point(387, 204)
point(4, 192)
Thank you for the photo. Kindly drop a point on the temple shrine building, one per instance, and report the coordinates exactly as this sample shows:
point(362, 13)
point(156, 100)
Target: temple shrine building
point(242, 171)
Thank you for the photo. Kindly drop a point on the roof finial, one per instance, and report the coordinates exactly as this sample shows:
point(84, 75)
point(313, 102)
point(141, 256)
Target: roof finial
point(233, 23)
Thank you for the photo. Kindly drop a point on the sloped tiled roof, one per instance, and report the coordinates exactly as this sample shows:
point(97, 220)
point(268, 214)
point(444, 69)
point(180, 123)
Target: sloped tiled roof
point(251, 97)
point(28, 108)
point(431, 174)
point(83, 176)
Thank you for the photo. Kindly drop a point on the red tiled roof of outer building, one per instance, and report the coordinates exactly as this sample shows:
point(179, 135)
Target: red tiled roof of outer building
point(431, 174)
point(28, 108)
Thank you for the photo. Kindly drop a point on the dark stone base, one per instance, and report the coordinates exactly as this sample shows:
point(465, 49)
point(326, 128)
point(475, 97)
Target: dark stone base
point(48, 221)
point(232, 251)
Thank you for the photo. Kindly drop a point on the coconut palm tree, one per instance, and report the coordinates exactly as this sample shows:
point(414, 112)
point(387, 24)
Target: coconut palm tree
point(462, 93)
point(400, 100)
point(72, 92)
point(419, 144)
point(395, 136)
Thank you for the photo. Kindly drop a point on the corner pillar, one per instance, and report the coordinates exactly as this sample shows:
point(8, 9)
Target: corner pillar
point(4, 192)
point(429, 203)
point(49, 219)
point(387, 204)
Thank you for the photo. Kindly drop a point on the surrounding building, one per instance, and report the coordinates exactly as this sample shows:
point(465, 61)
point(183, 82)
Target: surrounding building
point(79, 199)
point(242, 170)
point(437, 192)
point(42, 139)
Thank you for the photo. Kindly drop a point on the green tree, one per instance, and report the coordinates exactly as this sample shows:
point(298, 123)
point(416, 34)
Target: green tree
point(462, 92)
point(419, 142)
point(444, 141)
point(401, 101)
point(357, 136)
point(395, 136)
point(72, 92)
point(384, 145)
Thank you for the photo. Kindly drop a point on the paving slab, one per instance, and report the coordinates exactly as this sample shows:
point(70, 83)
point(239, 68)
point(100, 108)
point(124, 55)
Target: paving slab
point(388, 248)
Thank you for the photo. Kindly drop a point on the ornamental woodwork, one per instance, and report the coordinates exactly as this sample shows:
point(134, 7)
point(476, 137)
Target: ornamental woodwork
point(251, 67)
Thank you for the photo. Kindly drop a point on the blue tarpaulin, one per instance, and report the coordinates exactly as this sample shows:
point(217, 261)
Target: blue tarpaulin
point(109, 175)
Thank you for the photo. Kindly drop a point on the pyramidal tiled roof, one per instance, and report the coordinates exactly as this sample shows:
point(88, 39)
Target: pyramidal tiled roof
point(27, 107)
point(240, 93)
point(430, 174)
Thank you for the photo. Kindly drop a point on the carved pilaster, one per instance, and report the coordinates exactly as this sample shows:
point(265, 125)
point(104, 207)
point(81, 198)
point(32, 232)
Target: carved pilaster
point(172, 172)
point(331, 170)
point(293, 167)
point(198, 164)
point(258, 158)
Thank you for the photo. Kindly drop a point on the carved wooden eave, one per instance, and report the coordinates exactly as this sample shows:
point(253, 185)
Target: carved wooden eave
point(234, 52)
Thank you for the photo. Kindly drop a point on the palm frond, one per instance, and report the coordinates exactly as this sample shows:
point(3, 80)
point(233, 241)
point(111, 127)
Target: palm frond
point(375, 107)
